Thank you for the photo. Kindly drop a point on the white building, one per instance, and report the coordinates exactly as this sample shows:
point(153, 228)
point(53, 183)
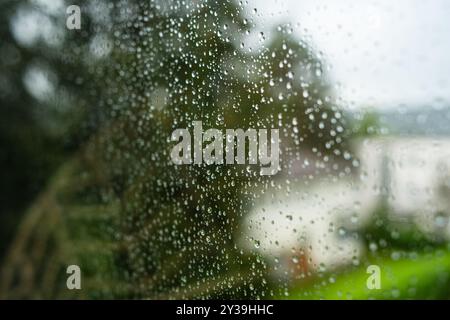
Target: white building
point(412, 174)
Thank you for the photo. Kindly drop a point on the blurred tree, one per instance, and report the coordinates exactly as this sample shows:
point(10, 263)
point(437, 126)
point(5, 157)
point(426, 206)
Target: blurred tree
point(40, 129)
point(137, 225)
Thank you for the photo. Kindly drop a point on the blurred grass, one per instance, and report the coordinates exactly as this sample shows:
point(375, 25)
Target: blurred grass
point(422, 276)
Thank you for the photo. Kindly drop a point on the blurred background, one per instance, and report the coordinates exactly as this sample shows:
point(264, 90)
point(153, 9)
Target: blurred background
point(359, 92)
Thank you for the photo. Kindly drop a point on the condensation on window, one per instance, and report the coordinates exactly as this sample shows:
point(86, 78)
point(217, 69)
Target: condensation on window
point(225, 149)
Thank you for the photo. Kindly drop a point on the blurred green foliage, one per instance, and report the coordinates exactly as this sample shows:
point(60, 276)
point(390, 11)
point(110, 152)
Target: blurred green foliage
point(413, 264)
point(138, 226)
point(421, 276)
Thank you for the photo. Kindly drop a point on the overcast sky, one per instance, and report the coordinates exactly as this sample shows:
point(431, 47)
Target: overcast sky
point(383, 53)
